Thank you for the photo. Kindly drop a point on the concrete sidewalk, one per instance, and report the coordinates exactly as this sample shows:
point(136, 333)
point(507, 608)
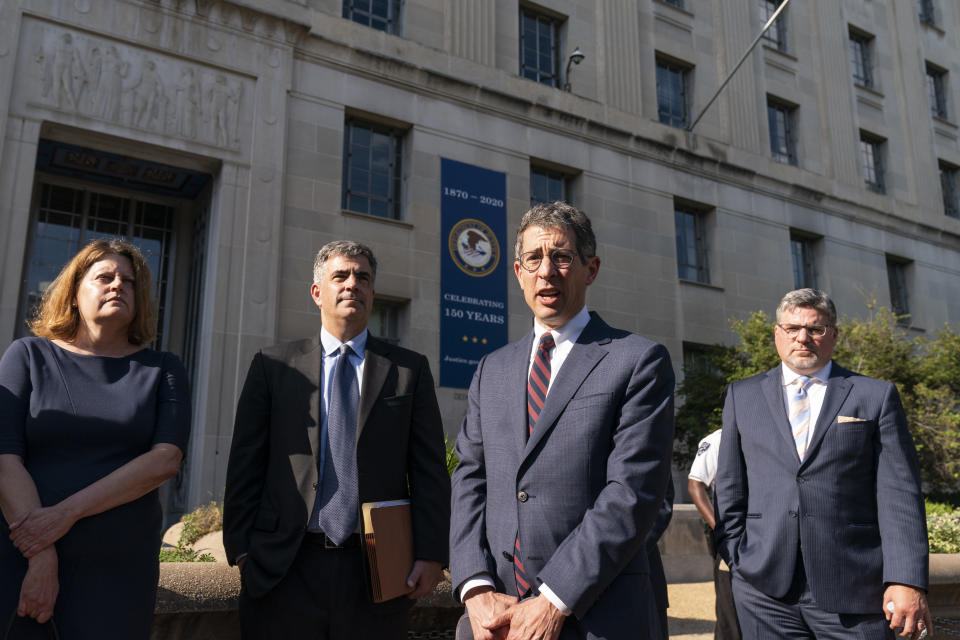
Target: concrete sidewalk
point(691, 614)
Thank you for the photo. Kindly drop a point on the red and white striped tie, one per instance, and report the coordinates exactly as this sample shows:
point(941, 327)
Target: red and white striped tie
point(537, 385)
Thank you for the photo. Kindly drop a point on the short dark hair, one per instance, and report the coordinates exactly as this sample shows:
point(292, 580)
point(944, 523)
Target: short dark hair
point(346, 248)
point(559, 214)
point(811, 298)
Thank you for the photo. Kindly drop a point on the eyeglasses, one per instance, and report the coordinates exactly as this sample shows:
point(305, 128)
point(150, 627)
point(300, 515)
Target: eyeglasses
point(560, 258)
point(815, 330)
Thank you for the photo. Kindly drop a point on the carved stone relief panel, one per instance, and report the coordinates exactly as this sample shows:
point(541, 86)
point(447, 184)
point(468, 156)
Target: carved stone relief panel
point(115, 82)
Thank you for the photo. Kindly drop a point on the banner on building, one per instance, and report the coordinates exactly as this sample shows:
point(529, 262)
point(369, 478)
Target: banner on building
point(473, 276)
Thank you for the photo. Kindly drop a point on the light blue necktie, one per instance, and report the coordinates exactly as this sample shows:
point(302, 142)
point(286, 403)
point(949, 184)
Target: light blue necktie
point(337, 498)
point(800, 414)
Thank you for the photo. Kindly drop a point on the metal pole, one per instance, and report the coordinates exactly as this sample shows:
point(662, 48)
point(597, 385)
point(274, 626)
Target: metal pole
point(753, 44)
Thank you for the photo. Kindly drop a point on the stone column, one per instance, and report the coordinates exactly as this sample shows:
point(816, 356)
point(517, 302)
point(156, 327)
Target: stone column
point(471, 29)
point(621, 37)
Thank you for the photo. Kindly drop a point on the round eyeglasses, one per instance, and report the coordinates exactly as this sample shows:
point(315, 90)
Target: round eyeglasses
point(560, 258)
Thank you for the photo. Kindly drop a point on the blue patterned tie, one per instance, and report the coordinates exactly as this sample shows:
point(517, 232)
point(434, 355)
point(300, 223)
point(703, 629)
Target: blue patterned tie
point(800, 414)
point(337, 498)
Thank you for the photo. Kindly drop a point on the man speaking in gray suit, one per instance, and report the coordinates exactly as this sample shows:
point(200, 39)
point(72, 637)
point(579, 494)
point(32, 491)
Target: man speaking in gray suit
point(819, 510)
point(564, 458)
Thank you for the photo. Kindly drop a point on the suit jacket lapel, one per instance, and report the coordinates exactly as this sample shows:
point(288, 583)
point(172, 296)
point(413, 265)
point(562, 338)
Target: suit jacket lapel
point(581, 360)
point(772, 386)
point(517, 391)
point(838, 387)
point(376, 366)
point(309, 363)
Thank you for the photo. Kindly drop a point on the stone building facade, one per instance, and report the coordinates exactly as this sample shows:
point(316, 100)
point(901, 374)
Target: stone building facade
point(233, 139)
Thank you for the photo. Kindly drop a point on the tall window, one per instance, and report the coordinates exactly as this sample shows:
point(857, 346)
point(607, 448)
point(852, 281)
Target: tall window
point(385, 320)
point(926, 12)
point(937, 89)
point(548, 186)
point(539, 43)
point(801, 254)
point(691, 245)
point(861, 57)
point(379, 14)
point(371, 169)
point(776, 35)
point(68, 218)
point(897, 279)
point(782, 119)
point(871, 155)
point(673, 91)
point(950, 188)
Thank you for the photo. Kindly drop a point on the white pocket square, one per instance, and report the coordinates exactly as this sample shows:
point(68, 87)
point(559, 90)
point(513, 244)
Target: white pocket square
point(850, 419)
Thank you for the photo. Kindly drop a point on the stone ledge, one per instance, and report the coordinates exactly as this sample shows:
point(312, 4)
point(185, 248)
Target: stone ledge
point(191, 591)
point(944, 596)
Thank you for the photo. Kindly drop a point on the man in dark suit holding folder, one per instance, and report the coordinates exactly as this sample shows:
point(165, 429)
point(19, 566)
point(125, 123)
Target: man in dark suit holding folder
point(819, 509)
point(323, 425)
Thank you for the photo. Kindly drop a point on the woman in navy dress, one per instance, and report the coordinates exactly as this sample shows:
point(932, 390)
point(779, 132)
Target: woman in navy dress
point(91, 423)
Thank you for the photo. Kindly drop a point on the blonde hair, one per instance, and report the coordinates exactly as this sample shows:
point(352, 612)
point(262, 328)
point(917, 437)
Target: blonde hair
point(57, 317)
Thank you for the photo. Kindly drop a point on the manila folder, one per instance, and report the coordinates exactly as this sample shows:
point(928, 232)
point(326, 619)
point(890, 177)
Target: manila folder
point(388, 539)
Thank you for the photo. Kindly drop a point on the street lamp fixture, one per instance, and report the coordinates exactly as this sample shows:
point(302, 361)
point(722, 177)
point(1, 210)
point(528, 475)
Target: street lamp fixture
point(575, 58)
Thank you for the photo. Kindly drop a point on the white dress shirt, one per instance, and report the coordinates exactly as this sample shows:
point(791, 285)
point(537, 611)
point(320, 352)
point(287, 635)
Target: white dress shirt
point(564, 338)
point(816, 391)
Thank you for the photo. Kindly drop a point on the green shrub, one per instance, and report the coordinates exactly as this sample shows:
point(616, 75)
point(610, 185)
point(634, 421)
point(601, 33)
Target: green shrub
point(943, 531)
point(452, 460)
point(184, 554)
point(199, 522)
point(939, 508)
point(196, 524)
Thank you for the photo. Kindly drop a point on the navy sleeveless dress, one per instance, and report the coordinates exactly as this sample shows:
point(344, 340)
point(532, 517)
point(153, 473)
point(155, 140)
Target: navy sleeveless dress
point(74, 419)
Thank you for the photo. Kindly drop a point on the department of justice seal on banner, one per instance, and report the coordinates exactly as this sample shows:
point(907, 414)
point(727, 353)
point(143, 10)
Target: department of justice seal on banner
point(474, 247)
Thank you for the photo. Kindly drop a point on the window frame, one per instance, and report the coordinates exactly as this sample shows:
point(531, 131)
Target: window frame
point(535, 72)
point(950, 188)
point(861, 57)
point(937, 90)
point(701, 265)
point(553, 176)
point(664, 65)
point(787, 152)
point(898, 289)
point(391, 20)
point(804, 273)
point(776, 35)
point(388, 312)
point(927, 12)
point(874, 165)
point(394, 195)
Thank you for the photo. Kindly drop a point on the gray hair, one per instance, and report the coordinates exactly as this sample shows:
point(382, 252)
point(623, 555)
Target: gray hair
point(347, 249)
point(812, 298)
point(563, 215)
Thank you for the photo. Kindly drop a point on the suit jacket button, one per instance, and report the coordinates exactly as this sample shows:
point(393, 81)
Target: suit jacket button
point(316, 485)
point(507, 556)
point(793, 514)
point(522, 496)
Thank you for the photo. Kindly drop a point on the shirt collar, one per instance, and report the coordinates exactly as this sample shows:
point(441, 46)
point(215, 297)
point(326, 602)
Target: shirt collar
point(568, 332)
point(789, 375)
point(331, 344)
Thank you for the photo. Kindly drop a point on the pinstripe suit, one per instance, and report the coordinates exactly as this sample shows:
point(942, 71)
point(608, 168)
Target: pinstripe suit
point(592, 477)
point(852, 509)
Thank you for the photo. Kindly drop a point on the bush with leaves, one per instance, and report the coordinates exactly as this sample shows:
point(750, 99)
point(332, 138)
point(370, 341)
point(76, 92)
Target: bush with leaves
point(926, 371)
point(196, 524)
